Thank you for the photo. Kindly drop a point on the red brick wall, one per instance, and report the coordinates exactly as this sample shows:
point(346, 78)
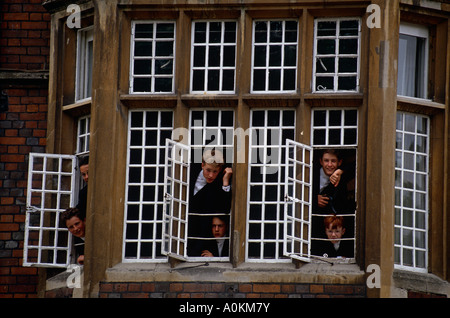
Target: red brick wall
point(24, 36)
point(24, 47)
point(228, 290)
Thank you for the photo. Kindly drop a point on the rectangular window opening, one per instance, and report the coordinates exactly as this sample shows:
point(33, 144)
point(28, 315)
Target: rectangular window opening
point(152, 57)
point(336, 55)
point(213, 57)
point(85, 56)
point(413, 61)
point(274, 56)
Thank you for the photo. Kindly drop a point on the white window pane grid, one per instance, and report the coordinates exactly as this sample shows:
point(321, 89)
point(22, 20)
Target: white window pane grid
point(83, 135)
point(335, 127)
point(176, 197)
point(152, 57)
point(298, 200)
point(274, 56)
point(213, 57)
point(85, 57)
point(212, 129)
point(411, 192)
point(269, 130)
point(336, 55)
point(143, 226)
point(51, 179)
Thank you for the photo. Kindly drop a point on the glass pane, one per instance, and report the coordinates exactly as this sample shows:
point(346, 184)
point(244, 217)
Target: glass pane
point(142, 67)
point(142, 84)
point(143, 49)
point(325, 65)
point(164, 49)
point(213, 80)
point(230, 32)
point(290, 55)
point(275, 80)
point(215, 32)
point(326, 28)
point(165, 30)
point(228, 80)
point(229, 56)
point(348, 46)
point(289, 80)
point(143, 30)
point(347, 83)
point(200, 32)
point(259, 58)
point(275, 55)
point(163, 85)
point(259, 80)
point(290, 31)
point(260, 32)
point(199, 56)
point(276, 31)
point(163, 67)
point(349, 28)
point(214, 56)
point(198, 81)
point(324, 83)
point(326, 47)
point(348, 65)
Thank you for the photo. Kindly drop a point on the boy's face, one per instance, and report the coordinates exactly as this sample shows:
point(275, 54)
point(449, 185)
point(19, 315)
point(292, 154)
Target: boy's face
point(210, 172)
point(330, 163)
point(334, 234)
point(76, 226)
point(84, 172)
point(218, 228)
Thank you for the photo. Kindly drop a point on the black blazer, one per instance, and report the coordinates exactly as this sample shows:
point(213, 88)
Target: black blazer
point(339, 202)
point(210, 199)
point(211, 245)
point(326, 249)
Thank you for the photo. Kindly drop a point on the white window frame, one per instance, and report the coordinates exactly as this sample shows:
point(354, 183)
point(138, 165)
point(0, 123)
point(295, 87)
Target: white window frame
point(267, 68)
point(44, 180)
point(206, 68)
point(134, 210)
point(418, 31)
point(83, 135)
point(342, 128)
point(153, 58)
point(298, 207)
point(336, 74)
point(176, 196)
point(403, 174)
point(279, 240)
point(84, 66)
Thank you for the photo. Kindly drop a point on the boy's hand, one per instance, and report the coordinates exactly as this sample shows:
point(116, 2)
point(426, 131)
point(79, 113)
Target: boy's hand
point(336, 177)
point(227, 173)
point(322, 200)
point(207, 253)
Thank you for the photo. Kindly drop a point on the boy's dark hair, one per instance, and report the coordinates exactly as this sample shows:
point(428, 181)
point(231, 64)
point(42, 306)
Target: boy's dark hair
point(70, 213)
point(83, 161)
point(332, 152)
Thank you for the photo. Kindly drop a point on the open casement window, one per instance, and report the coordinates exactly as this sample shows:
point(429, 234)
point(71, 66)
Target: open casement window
point(85, 57)
point(176, 197)
point(413, 61)
point(51, 179)
point(297, 210)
